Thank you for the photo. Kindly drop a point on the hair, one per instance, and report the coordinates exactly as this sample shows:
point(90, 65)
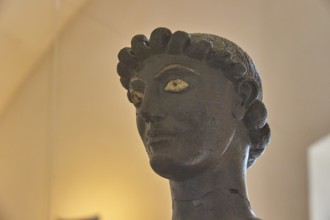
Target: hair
point(218, 53)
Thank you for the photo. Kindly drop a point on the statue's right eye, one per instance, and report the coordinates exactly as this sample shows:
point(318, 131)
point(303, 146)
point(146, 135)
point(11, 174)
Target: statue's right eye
point(136, 97)
point(176, 85)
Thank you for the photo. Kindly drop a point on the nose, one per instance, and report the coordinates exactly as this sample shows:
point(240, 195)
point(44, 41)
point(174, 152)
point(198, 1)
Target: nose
point(151, 109)
point(150, 117)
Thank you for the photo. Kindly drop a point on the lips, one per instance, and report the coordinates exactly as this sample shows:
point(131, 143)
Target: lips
point(154, 137)
point(157, 139)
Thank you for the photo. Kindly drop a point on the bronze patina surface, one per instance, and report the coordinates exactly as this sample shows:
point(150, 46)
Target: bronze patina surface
point(200, 115)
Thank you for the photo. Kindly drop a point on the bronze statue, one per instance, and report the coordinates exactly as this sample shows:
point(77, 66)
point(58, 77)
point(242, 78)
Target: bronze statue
point(199, 112)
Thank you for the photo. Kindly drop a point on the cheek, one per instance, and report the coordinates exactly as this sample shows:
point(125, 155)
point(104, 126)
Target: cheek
point(216, 127)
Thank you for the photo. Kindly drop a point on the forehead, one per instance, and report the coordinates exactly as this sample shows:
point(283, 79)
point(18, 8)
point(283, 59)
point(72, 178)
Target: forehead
point(176, 66)
point(157, 65)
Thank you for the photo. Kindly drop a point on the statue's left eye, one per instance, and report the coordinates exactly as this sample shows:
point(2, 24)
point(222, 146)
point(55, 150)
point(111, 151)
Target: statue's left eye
point(136, 97)
point(176, 85)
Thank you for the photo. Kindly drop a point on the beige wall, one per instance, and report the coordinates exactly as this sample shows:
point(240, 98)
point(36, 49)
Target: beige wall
point(24, 135)
point(98, 164)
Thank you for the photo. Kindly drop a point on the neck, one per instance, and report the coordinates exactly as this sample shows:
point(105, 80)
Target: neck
point(218, 193)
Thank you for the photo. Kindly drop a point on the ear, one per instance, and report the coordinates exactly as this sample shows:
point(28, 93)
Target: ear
point(247, 93)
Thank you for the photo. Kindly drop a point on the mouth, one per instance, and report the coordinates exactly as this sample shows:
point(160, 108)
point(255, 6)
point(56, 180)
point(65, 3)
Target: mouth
point(154, 140)
point(157, 138)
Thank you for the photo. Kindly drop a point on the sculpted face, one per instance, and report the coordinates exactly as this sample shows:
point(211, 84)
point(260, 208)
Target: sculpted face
point(184, 114)
point(201, 127)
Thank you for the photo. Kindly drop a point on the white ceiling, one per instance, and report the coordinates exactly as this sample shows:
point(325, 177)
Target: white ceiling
point(27, 29)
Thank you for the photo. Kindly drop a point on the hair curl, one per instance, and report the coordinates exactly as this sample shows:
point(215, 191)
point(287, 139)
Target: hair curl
point(218, 53)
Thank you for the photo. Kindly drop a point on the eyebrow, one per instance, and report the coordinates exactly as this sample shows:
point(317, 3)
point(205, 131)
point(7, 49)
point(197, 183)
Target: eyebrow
point(133, 81)
point(175, 66)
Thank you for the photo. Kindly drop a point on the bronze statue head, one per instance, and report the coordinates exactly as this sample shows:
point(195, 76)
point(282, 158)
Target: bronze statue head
point(175, 79)
point(200, 115)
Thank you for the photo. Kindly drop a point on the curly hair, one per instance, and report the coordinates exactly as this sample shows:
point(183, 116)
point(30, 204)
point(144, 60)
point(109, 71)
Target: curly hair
point(218, 53)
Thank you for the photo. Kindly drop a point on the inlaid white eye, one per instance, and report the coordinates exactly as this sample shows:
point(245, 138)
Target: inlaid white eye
point(176, 85)
point(136, 97)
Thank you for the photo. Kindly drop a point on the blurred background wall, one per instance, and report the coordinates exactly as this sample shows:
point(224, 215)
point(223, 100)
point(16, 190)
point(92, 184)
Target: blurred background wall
point(68, 142)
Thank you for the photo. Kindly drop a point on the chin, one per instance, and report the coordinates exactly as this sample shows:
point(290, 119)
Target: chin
point(176, 169)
